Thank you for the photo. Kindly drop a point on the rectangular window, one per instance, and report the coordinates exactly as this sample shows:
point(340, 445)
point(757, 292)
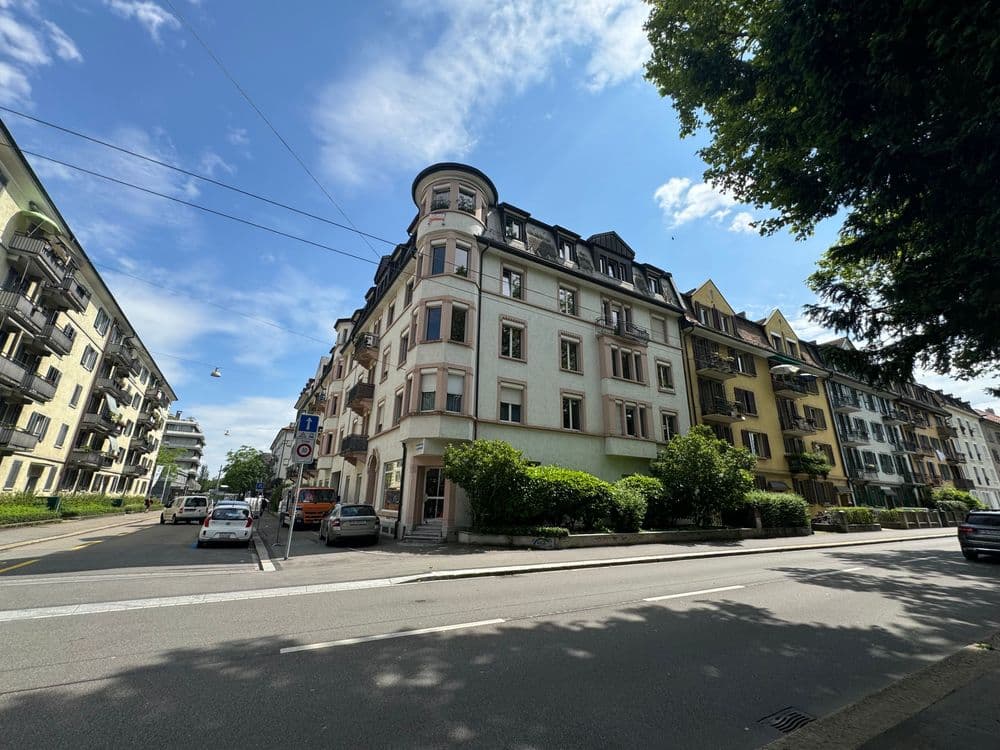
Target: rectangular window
point(397, 407)
point(513, 228)
point(38, 425)
point(437, 260)
point(456, 390)
point(511, 401)
point(567, 251)
point(466, 200)
point(886, 463)
point(379, 413)
point(75, 398)
point(440, 198)
point(571, 407)
point(428, 391)
point(89, 358)
point(386, 354)
point(458, 318)
point(827, 450)
point(630, 420)
point(408, 294)
point(616, 369)
point(390, 316)
point(664, 376)
point(793, 348)
point(757, 443)
point(392, 476)
point(15, 469)
point(878, 431)
point(567, 301)
point(404, 347)
point(653, 285)
point(745, 399)
point(511, 341)
point(51, 477)
point(461, 260)
point(102, 321)
point(776, 342)
point(510, 285)
point(61, 437)
point(744, 363)
point(817, 416)
point(432, 326)
point(668, 423)
point(569, 355)
point(626, 365)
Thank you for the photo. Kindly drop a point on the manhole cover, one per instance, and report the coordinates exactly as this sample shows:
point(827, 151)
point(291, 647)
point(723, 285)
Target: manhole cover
point(787, 719)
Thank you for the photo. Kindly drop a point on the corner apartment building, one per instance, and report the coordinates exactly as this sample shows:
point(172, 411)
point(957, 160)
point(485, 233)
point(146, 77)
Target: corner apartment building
point(968, 451)
point(488, 323)
point(777, 415)
point(81, 399)
point(989, 423)
point(185, 434)
point(281, 450)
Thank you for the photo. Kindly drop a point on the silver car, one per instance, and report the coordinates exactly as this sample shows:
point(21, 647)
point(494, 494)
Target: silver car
point(345, 521)
point(980, 533)
point(228, 522)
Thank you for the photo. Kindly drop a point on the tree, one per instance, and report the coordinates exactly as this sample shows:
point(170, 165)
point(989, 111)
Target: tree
point(702, 476)
point(493, 475)
point(167, 458)
point(203, 475)
point(244, 468)
point(887, 112)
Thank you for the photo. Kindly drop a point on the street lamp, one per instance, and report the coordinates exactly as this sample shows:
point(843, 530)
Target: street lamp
point(216, 373)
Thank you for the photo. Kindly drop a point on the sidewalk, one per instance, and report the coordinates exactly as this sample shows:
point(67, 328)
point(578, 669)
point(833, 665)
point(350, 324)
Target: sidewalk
point(20, 536)
point(390, 559)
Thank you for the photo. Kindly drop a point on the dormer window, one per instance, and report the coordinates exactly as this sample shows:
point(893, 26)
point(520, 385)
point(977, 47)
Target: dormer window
point(567, 251)
point(612, 268)
point(776, 343)
point(793, 348)
point(513, 228)
point(653, 284)
point(440, 198)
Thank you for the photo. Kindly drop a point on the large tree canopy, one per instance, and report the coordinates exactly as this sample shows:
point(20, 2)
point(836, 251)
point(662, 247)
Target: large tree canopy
point(886, 111)
point(244, 468)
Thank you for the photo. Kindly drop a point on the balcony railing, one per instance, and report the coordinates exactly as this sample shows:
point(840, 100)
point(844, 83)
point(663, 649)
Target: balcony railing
point(793, 387)
point(714, 366)
point(961, 483)
point(910, 446)
point(133, 470)
point(89, 458)
point(854, 436)
point(720, 410)
point(59, 340)
point(38, 388)
point(98, 422)
point(67, 294)
point(894, 416)
point(366, 349)
point(955, 458)
point(925, 449)
point(142, 445)
point(360, 397)
point(798, 426)
point(867, 473)
point(12, 439)
point(112, 387)
point(844, 402)
point(946, 431)
point(39, 252)
point(123, 355)
point(354, 447)
point(22, 311)
point(12, 372)
point(622, 329)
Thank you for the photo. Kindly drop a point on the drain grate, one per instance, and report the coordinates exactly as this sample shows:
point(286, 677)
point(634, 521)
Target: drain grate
point(787, 719)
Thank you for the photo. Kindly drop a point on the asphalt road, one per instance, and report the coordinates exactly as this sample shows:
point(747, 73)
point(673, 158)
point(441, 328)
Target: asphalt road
point(572, 659)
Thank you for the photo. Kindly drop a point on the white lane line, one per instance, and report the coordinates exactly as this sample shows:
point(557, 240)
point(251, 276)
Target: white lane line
point(851, 570)
point(44, 613)
point(388, 636)
point(693, 593)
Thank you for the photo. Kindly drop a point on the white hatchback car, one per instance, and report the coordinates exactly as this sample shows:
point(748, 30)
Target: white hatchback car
point(228, 522)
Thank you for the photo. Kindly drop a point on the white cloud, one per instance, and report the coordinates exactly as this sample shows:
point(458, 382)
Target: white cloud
point(211, 164)
point(150, 16)
point(682, 201)
point(14, 86)
point(407, 110)
point(238, 137)
point(20, 42)
point(973, 391)
point(743, 223)
point(65, 47)
point(808, 330)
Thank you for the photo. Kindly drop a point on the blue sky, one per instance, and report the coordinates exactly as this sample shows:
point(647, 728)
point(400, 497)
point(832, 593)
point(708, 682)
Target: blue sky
point(545, 96)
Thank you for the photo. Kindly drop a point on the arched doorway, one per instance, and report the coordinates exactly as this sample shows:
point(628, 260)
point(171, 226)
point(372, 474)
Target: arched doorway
point(372, 483)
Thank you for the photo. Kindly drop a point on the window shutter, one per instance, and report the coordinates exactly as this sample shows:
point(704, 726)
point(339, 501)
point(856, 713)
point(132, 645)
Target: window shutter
point(765, 445)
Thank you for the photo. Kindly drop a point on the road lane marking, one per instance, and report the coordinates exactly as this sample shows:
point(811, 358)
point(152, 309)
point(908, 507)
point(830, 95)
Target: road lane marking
point(852, 570)
point(19, 565)
point(388, 636)
point(692, 593)
point(86, 544)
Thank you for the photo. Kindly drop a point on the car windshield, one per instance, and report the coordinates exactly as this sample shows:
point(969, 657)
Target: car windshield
point(357, 510)
point(229, 513)
point(984, 519)
point(196, 502)
point(317, 495)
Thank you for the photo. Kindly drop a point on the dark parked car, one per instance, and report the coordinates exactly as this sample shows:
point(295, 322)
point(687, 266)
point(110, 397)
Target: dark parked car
point(980, 533)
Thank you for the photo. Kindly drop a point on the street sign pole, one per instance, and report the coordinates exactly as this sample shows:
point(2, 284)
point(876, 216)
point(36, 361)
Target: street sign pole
point(291, 518)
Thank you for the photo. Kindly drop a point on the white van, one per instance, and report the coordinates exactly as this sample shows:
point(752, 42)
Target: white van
point(185, 508)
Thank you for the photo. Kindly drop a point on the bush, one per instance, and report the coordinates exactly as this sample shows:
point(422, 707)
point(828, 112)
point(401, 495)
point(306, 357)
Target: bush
point(23, 513)
point(549, 532)
point(953, 505)
point(860, 516)
point(566, 497)
point(493, 475)
point(778, 509)
point(628, 508)
point(134, 507)
point(893, 515)
point(950, 494)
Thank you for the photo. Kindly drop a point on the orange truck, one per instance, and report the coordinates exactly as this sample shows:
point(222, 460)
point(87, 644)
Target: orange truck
point(314, 503)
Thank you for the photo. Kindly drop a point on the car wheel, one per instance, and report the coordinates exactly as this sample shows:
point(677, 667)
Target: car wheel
point(375, 538)
point(174, 521)
point(970, 554)
point(161, 518)
point(329, 541)
point(200, 544)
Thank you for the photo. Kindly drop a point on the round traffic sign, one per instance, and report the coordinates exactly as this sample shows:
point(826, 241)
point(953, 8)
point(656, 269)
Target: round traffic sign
point(303, 450)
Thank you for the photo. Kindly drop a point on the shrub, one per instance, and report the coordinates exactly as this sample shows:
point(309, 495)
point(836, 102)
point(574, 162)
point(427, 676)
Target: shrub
point(134, 507)
point(702, 476)
point(778, 509)
point(955, 495)
point(550, 532)
point(21, 498)
point(953, 505)
point(861, 516)
point(77, 509)
point(492, 473)
point(893, 515)
point(569, 497)
point(628, 508)
point(23, 513)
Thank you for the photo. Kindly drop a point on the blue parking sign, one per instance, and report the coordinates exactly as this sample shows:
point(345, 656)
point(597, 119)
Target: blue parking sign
point(260, 486)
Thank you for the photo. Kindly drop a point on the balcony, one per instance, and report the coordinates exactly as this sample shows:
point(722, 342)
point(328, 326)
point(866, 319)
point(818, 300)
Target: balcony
point(113, 388)
point(142, 446)
point(22, 311)
point(89, 458)
point(146, 418)
point(366, 349)
point(714, 366)
point(853, 437)
point(956, 458)
point(935, 481)
point(925, 450)
point(38, 253)
point(360, 398)
point(793, 387)
point(720, 410)
point(623, 329)
point(961, 483)
point(797, 426)
point(845, 403)
point(34, 387)
point(354, 448)
point(12, 373)
point(68, 294)
point(99, 423)
point(54, 339)
point(866, 473)
point(13, 439)
point(896, 417)
point(123, 356)
point(134, 470)
point(946, 431)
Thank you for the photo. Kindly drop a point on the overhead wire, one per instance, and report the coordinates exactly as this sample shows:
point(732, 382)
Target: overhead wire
point(260, 113)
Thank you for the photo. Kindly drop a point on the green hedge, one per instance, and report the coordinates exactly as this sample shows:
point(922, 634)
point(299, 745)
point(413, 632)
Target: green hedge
point(951, 494)
point(628, 507)
point(777, 510)
point(893, 515)
point(860, 516)
point(953, 505)
point(22, 513)
point(566, 497)
point(551, 532)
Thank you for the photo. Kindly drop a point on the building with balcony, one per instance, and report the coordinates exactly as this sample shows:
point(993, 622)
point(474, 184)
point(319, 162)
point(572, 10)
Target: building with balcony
point(489, 323)
point(185, 435)
point(758, 386)
point(989, 423)
point(281, 450)
point(971, 442)
point(73, 372)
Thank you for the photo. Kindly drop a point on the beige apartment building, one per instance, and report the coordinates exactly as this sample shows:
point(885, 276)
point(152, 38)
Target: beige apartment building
point(488, 323)
point(81, 399)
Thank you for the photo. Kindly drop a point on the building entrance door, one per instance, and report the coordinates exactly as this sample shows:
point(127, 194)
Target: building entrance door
point(433, 493)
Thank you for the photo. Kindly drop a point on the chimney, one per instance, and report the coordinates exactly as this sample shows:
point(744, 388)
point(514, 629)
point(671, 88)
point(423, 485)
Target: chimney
point(990, 411)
